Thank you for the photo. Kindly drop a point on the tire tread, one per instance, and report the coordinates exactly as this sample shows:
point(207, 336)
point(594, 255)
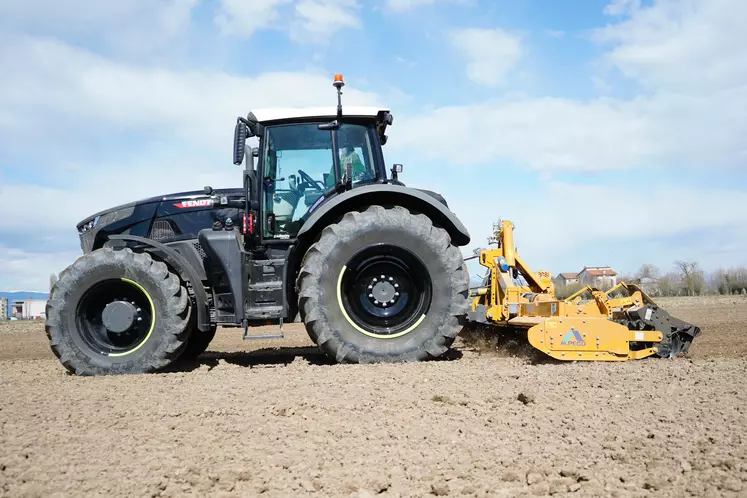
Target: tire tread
point(174, 319)
point(313, 271)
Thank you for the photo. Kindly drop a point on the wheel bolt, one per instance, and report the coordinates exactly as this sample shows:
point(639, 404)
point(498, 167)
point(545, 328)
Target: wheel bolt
point(396, 293)
point(390, 279)
point(383, 277)
point(370, 295)
point(375, 279)
point(139, 319)
point(396, 285)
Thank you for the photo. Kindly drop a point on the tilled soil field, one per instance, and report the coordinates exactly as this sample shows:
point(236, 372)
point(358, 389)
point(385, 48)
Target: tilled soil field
point(276, 419)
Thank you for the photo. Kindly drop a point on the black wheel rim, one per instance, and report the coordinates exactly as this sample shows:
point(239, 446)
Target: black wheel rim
point(115, 317)
point(385, 291)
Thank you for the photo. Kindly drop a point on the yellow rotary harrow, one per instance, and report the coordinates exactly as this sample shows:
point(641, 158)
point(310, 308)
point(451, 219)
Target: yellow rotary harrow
point(619, 324)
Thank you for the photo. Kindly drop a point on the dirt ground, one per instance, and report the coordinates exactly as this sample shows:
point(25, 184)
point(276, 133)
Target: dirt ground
point(274, 418)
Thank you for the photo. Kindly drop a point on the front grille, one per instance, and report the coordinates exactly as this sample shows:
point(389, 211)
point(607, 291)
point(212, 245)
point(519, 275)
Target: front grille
point(200, 250)
point(161, 230)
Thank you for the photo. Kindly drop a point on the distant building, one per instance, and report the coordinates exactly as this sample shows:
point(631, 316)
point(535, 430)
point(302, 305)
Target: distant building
point(3, 308)
point(28, 309)
point(567, 278)
point(601, 277)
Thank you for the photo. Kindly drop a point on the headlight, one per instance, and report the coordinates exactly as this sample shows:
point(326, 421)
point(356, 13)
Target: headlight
point(88, 225)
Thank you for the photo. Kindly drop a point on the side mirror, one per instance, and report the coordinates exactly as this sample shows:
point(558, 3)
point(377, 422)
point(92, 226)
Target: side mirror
point(239, 142)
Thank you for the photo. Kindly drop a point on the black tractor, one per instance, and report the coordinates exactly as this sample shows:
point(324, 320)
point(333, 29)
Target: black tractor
point(318, 231)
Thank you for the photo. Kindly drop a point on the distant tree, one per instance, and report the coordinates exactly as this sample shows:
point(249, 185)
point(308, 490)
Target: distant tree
point(718, 282)
point(668, 284)
point(692, 277)
point(648, 271)
point(730, 281)
point(738, 279)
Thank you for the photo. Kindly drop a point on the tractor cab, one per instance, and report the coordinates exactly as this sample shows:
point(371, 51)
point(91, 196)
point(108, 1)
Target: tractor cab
point(306, 156)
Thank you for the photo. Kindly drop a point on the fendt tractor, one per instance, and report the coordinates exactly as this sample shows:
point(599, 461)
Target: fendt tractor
point(321, 232)
point(318, 229)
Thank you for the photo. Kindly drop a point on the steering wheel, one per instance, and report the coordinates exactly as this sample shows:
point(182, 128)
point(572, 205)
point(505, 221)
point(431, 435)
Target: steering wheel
point(312, 183)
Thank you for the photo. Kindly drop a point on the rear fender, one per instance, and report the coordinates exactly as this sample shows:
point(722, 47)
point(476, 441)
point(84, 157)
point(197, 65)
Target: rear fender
point(176, 261)
point(386, 195)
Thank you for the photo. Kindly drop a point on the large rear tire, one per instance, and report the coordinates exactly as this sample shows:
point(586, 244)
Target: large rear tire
point(383, 285)
point(116, 312)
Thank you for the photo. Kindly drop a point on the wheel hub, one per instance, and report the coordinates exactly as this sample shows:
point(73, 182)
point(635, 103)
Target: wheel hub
point(383, 291)
point(119, 316)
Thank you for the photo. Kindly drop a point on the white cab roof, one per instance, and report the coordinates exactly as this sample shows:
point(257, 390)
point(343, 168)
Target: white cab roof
point(330, 112)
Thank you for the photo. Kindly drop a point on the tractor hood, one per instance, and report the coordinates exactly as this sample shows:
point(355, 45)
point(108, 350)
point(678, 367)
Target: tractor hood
point(135, 218)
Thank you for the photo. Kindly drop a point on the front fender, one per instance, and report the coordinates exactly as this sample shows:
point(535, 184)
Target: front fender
point(386, 195)
point(186, 272)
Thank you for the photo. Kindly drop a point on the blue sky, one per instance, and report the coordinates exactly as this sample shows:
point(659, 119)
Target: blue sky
point(610, 131)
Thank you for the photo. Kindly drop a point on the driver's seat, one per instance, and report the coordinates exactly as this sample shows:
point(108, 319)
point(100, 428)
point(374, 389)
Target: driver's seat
point(285, 201)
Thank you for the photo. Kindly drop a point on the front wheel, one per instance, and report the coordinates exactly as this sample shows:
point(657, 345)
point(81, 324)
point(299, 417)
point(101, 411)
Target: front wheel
point(383, 285)
point(117, 311)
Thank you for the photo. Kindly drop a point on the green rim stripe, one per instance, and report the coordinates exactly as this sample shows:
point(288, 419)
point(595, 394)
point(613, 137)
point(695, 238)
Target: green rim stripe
point(365, 332)
point(152, 322)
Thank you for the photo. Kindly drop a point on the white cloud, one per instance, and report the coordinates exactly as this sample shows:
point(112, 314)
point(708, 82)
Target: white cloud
point(244, 17)
point(190, 104)
point(691, 57)
point(490, 53)
point(620, 7)
point(185, 119)
point(546, 134)
point(31, 270)
point(600, 85)
point(693, 47)
point(562, 226)
point(310, 21)
point(319, 20)
point(690, 116)
point(134, 26)
point(404, 5)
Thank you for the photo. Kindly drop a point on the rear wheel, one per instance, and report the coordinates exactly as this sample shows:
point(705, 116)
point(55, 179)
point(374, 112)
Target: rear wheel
point(114, 312)
point(383, 285)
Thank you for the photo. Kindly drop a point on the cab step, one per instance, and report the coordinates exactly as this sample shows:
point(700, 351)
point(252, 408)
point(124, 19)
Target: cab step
point(250, 337)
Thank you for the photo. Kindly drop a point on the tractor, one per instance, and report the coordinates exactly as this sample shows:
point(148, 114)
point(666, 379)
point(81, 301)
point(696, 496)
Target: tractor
point(322, 233)
point(319, 232)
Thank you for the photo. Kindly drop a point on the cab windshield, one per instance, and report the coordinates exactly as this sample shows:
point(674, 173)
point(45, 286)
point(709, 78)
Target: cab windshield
point(298, 168)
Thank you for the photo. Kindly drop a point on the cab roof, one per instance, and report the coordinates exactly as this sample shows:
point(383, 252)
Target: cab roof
point(269, 115)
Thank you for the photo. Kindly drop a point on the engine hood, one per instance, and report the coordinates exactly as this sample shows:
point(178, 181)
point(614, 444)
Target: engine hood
point(135, 218)
point(188, 195)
